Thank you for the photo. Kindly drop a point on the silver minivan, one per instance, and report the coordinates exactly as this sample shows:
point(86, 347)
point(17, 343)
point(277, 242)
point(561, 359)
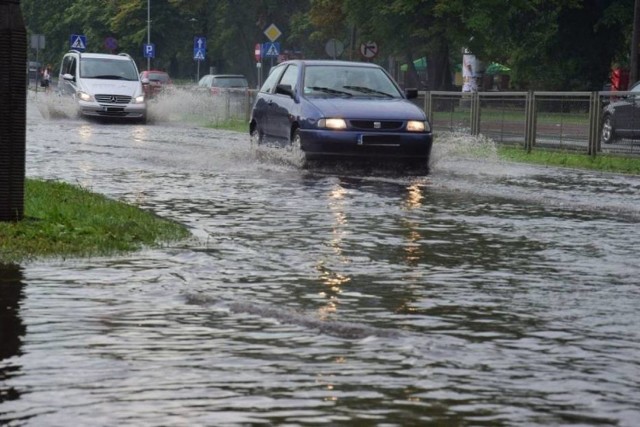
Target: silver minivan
point(103, 85)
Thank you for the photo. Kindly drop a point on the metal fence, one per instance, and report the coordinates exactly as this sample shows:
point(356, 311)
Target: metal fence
point(554, 120)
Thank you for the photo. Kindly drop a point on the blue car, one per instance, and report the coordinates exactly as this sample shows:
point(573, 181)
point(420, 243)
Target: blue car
point(322, 109)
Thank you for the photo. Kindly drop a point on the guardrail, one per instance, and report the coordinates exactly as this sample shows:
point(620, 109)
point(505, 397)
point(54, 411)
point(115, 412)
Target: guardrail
point(552, 120)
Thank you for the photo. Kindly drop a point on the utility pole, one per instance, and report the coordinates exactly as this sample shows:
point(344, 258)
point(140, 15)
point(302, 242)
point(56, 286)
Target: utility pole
point(635, 42)
point(13, 110)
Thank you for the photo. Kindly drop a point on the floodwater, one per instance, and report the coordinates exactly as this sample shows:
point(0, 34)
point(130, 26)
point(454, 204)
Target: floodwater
point(485, 294)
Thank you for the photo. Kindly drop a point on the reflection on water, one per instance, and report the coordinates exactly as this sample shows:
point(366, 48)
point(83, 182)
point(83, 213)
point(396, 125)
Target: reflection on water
point(12, 329)
point(484, 294)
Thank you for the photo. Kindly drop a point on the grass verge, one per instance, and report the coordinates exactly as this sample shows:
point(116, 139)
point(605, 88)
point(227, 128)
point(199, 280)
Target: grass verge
point(62, 220)
point(231, 124)
point(602, 162)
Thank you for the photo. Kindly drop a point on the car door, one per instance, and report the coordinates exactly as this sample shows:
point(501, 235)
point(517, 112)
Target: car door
point(627, 113)
point(264, 100)
point(634, 99)
point(68, 67)
point(281, 109)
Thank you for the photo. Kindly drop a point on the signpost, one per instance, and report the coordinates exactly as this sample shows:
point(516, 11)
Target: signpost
point(369, 49)
point(271, 50)
point(78, 42)
point(37, 43)
point(110, 44)
point(149, 50)
point(199, 52)
point(334, 48)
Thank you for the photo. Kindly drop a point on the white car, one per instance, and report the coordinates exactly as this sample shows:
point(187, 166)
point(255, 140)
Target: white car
point(104, 85)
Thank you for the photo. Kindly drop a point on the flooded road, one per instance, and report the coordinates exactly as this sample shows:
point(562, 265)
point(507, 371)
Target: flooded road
point(486, 294)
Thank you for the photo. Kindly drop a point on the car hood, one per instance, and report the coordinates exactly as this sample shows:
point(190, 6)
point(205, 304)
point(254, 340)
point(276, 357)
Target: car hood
point(387, 109)
point(112, 87)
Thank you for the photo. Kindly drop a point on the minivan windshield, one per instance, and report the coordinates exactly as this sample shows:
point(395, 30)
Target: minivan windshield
point(106, 68)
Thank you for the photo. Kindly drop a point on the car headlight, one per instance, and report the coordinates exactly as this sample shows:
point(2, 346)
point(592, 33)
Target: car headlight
point(417, 126)
point(138, 99)
point(332, 123)
point(84, 96)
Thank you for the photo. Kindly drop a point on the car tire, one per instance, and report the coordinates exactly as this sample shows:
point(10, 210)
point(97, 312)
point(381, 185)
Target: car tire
point(298, 155)
point(256, 138)
point(608, 133)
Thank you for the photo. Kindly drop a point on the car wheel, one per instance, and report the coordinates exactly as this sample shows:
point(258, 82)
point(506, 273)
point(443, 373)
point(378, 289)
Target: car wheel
point(256, 138)
point(298, 155)
point(608, 132)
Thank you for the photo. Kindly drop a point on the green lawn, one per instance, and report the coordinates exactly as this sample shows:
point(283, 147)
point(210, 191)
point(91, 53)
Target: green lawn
point(62, 220)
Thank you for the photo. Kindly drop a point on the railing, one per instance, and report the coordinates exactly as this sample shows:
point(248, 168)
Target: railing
point(553, 120)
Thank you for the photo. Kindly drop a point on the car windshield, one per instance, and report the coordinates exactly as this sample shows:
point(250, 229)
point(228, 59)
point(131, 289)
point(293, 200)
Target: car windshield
point(106, 68)
point(230, 82)
point(348, 81)
point(158, 77)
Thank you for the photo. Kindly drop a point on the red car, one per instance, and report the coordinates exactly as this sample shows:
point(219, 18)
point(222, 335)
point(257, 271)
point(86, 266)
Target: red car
point(154, 82)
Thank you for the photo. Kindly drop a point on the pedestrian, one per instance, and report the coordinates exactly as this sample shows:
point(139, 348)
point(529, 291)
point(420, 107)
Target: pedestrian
point(46, 78)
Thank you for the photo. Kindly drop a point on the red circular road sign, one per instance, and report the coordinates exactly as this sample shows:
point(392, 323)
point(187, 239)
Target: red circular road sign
point(258, 51)
point(369, 49)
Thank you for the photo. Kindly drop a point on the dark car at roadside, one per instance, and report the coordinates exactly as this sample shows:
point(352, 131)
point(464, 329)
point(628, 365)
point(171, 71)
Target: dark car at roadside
point(155, 82)
point(323, 109)
point(220, 83)
point(621, 116)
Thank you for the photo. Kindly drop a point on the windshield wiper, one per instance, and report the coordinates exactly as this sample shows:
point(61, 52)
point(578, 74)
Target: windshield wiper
point(368, 90)
point(110, 77)
point(329, 90)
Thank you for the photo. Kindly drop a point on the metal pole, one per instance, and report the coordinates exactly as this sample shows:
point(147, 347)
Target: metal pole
point(13, 110)
point(148, 32)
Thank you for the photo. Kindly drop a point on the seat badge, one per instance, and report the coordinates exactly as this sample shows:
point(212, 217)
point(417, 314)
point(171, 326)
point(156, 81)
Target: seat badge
point(377, 125)
point(360, 140)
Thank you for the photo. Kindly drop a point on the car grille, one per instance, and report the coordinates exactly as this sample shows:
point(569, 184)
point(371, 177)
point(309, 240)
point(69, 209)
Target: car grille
point(113, 99)
point(376, 125)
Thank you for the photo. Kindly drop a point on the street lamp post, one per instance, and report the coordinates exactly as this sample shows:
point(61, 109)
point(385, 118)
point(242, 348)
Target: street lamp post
point(148, 32)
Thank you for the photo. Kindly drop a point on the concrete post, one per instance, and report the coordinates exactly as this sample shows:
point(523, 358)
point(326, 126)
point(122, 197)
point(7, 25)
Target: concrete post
point(13, 110)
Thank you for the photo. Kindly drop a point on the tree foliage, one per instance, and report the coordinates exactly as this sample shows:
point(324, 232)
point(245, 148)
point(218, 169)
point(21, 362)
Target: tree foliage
point(548, 44)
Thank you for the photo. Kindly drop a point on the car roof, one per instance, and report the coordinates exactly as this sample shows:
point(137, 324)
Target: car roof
point(330, 62)
point(124, 57)
point(227, 75)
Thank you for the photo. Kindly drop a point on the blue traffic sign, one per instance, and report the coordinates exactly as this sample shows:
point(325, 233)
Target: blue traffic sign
point(199, 48)
point(149, 50)
point(271, 49)
point(78, 42)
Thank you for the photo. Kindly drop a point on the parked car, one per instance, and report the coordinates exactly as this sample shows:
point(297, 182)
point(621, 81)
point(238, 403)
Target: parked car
point(103, 85)
point(154, 82)
point(327, 109)
point(621, 117)
point(218, 83)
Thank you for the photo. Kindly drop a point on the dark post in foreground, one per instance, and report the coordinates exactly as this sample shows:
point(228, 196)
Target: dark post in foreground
point(13, 110)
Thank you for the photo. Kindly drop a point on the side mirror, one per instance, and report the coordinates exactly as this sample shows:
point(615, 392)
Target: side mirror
point(411, 93)
point(284, 90)
point(68, 77)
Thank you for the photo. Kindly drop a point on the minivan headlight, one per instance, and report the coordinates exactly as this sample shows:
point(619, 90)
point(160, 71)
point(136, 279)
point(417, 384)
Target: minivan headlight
point(417, 126)
point(138, 99)
point(84, 96)
point(332, 123)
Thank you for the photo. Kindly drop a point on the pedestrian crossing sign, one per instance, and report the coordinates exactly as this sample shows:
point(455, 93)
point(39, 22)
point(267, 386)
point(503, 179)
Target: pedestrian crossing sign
point(78, 42)
point(271, 49)
point(199, 55)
